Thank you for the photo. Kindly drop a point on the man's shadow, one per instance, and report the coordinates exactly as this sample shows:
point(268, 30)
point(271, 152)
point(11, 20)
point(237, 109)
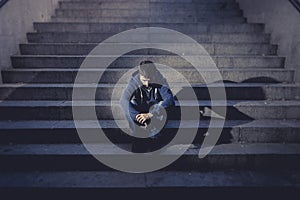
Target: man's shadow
point(234, 117)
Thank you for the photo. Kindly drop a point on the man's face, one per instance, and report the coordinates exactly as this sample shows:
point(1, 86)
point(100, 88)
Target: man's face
point(145, 80)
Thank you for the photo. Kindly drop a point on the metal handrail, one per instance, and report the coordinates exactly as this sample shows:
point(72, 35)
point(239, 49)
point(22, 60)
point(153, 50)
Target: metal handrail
point(2, 2)
point(296, 4)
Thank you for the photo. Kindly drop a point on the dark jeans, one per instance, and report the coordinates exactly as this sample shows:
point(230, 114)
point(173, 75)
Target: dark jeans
point(155, 135)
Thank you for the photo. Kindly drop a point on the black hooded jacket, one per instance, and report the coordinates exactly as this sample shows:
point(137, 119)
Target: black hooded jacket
point(136, 99)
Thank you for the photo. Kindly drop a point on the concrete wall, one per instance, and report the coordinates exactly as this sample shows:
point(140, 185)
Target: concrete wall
point(16, 19)
point(282, 20)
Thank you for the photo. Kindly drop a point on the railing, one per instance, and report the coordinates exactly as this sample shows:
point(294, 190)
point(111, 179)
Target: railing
point(2, 2)
point(296, 4)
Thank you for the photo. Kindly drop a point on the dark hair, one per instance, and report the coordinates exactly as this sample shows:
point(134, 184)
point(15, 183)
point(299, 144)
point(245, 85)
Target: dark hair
point(147, 69)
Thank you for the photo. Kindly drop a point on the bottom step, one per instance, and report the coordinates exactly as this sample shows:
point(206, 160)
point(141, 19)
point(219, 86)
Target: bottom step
point(70, 157)
point(107, 179)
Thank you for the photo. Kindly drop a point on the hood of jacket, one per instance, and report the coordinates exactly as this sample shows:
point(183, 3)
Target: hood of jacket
point(158, 79)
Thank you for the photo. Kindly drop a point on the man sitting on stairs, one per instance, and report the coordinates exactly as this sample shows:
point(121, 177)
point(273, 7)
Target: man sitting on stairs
point(146, 102)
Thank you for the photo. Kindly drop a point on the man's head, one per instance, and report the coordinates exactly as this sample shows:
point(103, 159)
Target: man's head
point(147, 72)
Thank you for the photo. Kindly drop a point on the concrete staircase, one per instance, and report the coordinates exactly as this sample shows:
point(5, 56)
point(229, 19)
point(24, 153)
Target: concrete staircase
point(40, 148)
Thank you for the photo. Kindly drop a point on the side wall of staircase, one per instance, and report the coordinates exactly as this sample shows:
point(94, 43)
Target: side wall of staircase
point(281, 20)
point(16, 18)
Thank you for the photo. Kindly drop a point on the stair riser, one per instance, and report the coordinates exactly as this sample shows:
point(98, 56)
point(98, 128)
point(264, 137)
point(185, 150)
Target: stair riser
point(70, 135)
point(209, 20)
point(116, 28)
point(157, 6)
point(212, 49)
point(163, 9)
point(113, 77)
point(95, 38)
point(154, 1)
point(232, 93)
point(118, 184)
point(145, 13)
point(87, 162)
point(129, 62)
point(64, 112)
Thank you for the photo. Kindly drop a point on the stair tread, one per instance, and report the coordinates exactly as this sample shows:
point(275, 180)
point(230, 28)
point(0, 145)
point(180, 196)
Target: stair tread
point(77, 37)
point(110, 149)
point(141, 56)
point(211, 48)
point(106, 34)
point(111, 124)
point(139, 43)
point(231, 69)
point(113, 28)
point(107, 85)
point(141, 23)
point(235, 103)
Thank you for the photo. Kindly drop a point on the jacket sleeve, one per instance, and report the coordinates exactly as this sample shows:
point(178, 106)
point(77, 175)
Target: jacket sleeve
point(167, 96)
point(133, 112)
point(128, 102)
point(165, 92)
point(167, 99)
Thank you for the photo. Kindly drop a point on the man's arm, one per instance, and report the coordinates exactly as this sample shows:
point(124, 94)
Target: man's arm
point(133, 112)
point(127, 102)
point(167, 96)
point(167, 99)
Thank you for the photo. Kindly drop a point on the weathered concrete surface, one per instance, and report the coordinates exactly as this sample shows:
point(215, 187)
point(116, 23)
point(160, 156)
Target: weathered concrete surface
point(155, 180)
point(16, 18)
point(282, 21)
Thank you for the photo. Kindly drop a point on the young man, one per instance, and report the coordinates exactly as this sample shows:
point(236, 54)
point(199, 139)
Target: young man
point(146, 101)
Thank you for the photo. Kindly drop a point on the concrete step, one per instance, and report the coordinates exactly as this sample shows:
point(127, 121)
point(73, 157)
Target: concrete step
point(57, 132)
point(157, 1)
point(62, 110)
point(130, 61)
point(174, 19)
point(98, 13)
point(119, 27)
point(115, 184)
point(75, 157)
point(113, 75)
point(155, 8)
point(174, 6)
point(71, 37)
point(234, 91)
point(85, 49)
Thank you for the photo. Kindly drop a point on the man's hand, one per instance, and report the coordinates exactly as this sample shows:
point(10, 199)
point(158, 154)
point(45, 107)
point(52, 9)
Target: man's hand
point(141, 118)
